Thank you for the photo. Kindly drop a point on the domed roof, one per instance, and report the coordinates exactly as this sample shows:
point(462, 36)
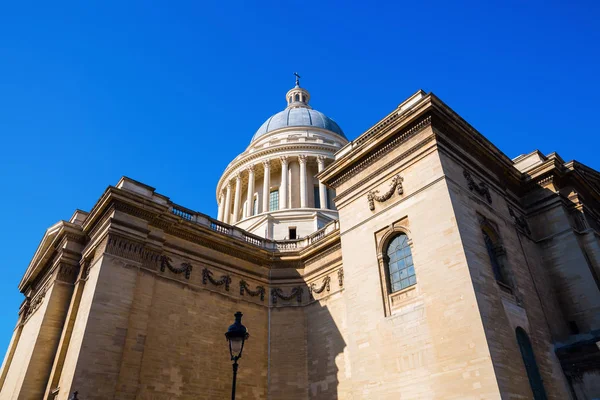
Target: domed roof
point(298, 117)
point(298, 113)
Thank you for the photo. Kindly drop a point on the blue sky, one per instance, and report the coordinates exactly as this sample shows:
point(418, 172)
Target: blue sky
point(169, 92)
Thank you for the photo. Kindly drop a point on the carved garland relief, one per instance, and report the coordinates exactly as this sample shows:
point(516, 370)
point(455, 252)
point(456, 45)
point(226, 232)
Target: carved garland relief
point(479, 188)
point(395, 185)
point(520, 221)
point(185, 267)
point(325, 285)
point(295, 292)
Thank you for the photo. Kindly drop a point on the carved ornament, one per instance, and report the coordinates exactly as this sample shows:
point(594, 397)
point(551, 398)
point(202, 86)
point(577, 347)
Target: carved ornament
point(260, 290)
point(324, 285)
point(296, 292)
point(520, 221)
point(374, 196)
point(184, 267)
point(479, 188)
point(340, 274)
point(207, 277)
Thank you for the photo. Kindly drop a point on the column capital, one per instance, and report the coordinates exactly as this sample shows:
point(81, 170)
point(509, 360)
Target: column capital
point(238, 176)
point(266, 164)
point(321, 158)
point(229, 184)
point(302, 158)
point(250, 168)
point(284, 159)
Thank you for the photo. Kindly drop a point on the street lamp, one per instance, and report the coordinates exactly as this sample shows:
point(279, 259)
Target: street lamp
point(236, 335)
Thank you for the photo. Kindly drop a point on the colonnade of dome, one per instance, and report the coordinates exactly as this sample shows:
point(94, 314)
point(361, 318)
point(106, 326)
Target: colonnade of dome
point(271, 189)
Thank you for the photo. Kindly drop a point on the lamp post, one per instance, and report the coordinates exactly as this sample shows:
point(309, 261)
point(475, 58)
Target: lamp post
point(236, 335)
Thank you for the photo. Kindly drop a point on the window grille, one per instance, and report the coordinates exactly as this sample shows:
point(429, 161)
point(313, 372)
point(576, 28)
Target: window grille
point(401, 269)
point(274, 200)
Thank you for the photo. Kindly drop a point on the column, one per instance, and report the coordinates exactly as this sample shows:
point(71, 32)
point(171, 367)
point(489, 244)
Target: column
point(238, 197)
point(303, 198)
point(250, 198)
point(266, 185)
point(227, 203)
point(283, 188)
point(221, 206)
point(322, 188)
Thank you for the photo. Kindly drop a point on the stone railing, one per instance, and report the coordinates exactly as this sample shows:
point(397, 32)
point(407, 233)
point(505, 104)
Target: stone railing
point(240, 234)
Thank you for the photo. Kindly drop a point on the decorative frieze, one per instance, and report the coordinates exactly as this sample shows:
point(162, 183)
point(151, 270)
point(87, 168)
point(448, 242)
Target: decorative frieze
point(395, 185)
point(479, 188)
point(260, 290)
point(295, 292)
point(207, 277)
point(520, 221)
point(183, 268)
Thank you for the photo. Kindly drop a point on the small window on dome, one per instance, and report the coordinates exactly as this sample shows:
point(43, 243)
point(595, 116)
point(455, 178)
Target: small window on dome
point(297, 97)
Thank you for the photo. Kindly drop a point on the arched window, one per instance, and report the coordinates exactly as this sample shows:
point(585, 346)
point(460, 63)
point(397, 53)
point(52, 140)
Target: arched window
point(533, 373)
point(297, 97)
point(496, 254)
point(400, 264)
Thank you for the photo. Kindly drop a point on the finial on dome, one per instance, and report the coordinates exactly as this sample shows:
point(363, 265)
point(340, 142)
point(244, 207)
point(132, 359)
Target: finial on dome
point(297, 97)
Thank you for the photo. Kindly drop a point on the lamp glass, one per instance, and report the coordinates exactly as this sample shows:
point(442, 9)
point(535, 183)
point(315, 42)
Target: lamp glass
point(236, 346)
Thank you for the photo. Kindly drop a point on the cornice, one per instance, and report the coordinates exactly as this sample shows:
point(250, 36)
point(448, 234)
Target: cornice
point(54, 239)
point(383, 151)
point(419, 146)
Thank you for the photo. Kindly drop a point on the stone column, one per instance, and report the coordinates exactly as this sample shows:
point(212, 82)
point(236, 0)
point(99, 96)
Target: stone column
point(221, 206)
point(266, 185)
point(227, 210)
point(322, 188)
point(303, 198)
point(238, 197)
point(283, 188)
point(250, 198)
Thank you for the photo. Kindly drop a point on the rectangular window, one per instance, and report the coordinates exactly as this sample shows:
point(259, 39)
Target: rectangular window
point(317, 197)
point(330, 196)
point(293, 232)
point(274, 200)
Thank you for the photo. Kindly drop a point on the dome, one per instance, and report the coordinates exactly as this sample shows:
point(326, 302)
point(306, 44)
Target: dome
point(299, 116)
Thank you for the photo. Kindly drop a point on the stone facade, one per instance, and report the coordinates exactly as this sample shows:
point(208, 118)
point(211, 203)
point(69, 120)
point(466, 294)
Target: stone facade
point(131, 300)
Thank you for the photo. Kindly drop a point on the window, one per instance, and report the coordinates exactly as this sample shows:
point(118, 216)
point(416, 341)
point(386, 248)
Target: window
point(496, 253)
point(297, 97)
point(293, 232)
point(255, 206)
point(317, 197)
point(533, 373)
point(274, 200)
point(400, 264)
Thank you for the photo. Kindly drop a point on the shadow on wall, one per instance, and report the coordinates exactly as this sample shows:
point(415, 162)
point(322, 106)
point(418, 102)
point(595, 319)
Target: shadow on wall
point(306, 346)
